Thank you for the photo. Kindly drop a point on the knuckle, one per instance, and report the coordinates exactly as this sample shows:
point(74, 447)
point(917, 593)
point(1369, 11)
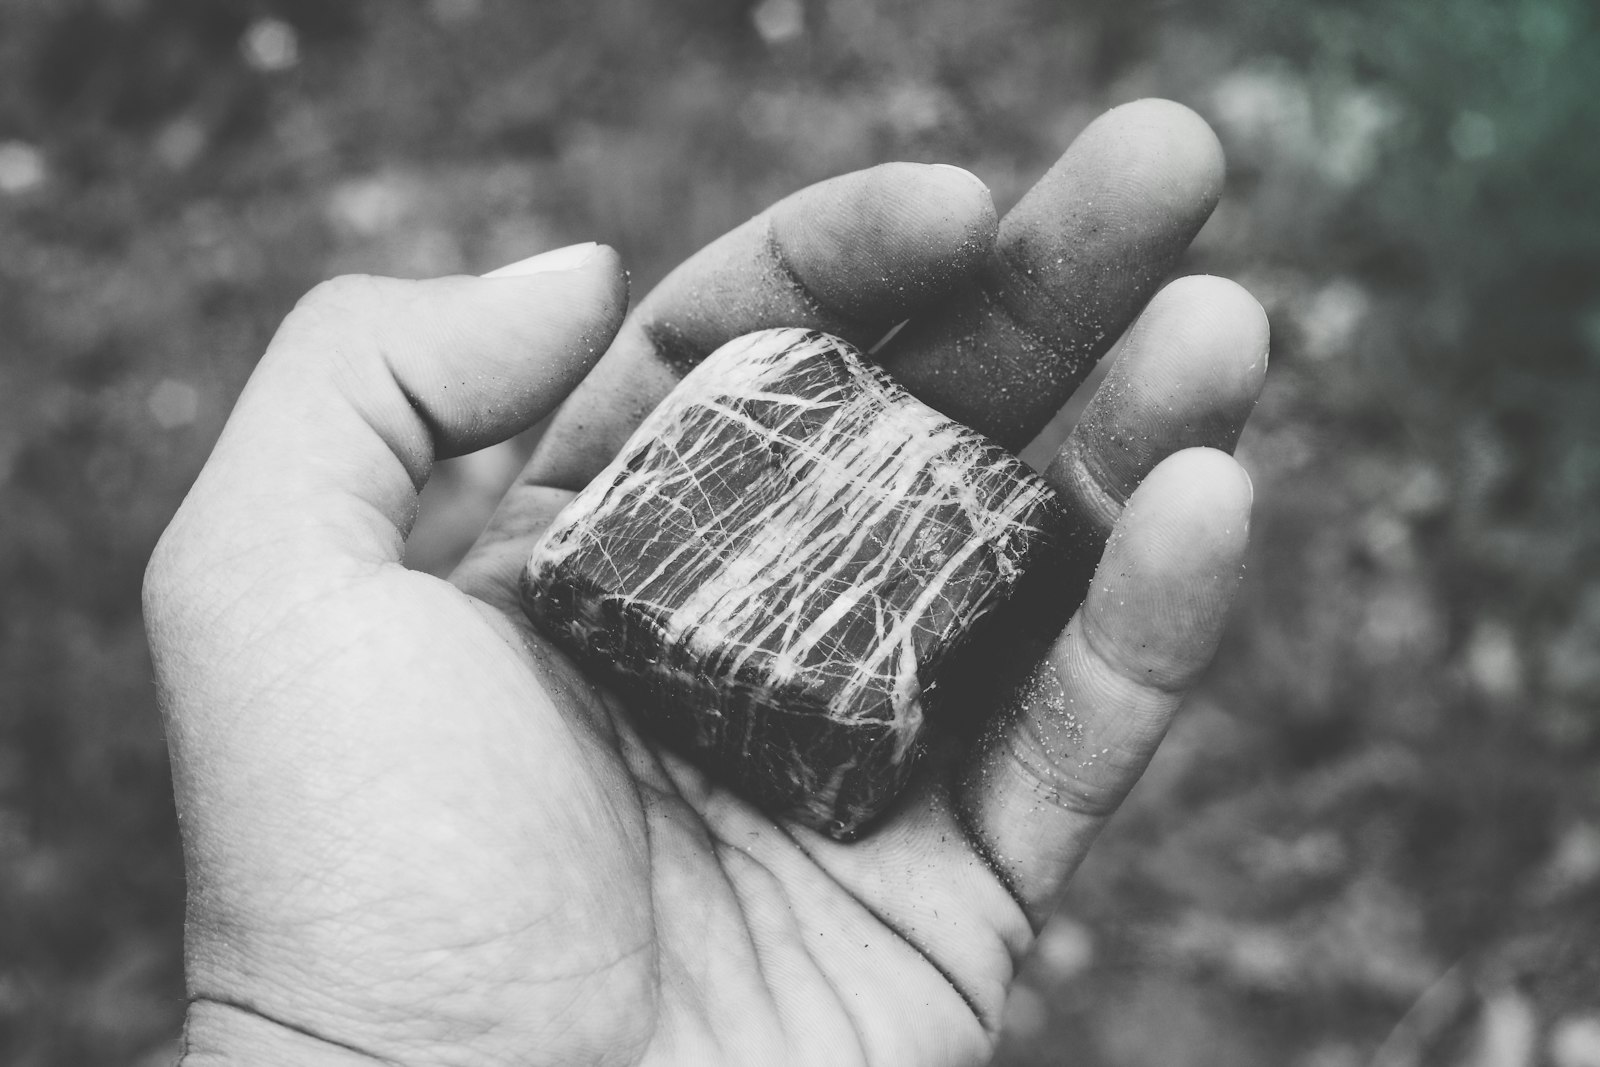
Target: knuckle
point(1083, 476)
point(1056, 781)
point(1135, 662)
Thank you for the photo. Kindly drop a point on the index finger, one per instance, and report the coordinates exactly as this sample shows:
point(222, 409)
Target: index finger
point(852, 256)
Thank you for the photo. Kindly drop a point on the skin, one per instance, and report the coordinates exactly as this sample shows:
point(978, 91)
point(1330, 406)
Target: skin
point(417, 835)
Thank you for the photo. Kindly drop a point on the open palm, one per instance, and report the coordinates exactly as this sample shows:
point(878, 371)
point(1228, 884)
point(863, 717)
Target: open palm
point(417, 834)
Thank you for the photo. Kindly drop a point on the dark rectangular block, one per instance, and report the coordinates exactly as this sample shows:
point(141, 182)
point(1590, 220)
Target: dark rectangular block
point(780, 562)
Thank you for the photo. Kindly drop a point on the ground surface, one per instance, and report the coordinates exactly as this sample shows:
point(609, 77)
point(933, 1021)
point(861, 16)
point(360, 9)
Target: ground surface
point(1373, 838)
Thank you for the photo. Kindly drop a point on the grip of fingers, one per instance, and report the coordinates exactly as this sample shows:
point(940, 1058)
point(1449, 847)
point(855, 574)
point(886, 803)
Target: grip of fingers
point(1076, 260)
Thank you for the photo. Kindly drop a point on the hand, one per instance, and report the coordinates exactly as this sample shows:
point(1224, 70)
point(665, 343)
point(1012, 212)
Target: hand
point(415, 834)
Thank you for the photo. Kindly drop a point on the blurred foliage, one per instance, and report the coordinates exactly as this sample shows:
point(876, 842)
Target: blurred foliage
point(1377, 830)
point(1477, 211)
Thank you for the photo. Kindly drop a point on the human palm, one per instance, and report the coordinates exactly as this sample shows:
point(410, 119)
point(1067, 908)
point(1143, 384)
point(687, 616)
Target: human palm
point(417, 834)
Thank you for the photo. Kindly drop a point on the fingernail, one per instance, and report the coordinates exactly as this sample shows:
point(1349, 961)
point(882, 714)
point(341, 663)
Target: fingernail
point(557, 259)
point(962, 171)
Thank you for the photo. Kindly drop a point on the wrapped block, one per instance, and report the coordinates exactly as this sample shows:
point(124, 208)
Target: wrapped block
point(782, 561)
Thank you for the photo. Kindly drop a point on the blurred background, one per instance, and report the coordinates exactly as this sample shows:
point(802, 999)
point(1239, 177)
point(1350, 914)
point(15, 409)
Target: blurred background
point(1373, 838)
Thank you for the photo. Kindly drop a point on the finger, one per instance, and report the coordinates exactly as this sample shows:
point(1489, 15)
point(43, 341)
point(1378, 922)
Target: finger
point(366, 383)
point(853, 255)
point(1188, 375)
point(1087, 721)
point(1078, 257)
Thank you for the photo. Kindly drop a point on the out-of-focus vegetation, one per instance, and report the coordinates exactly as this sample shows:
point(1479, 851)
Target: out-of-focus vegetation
point(1373, 838)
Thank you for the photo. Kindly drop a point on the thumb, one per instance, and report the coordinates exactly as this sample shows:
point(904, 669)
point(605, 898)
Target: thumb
point(367, 382)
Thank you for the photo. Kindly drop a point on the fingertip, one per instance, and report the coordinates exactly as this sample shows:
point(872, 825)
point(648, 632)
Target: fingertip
point(1220, 303)
point(1189, 145)
point(591, 274)
point(958, 213)
point(1154, 165)
point(955, 193)
point(952, 202)
point(965, 174)
point(899, 234)
point(612, 294)
point(1191, 513)
point(1189, 375)
point(950, 205)
point(1195, 476)
point(606, 264)
point(485, 357)
point(1211, 333)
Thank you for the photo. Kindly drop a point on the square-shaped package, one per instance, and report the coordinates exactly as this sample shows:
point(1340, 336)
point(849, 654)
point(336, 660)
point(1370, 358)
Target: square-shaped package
point(780, 563)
